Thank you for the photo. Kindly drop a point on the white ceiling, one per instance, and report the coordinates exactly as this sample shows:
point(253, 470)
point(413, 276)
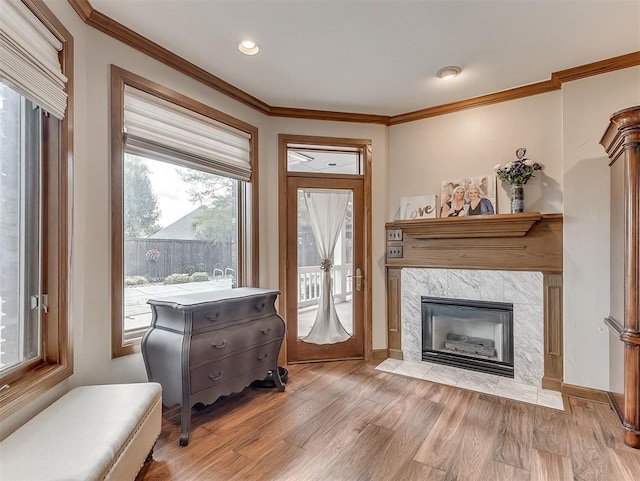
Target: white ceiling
point(380, 57)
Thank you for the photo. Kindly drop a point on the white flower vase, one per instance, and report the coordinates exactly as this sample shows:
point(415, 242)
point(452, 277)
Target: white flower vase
point(517, 198)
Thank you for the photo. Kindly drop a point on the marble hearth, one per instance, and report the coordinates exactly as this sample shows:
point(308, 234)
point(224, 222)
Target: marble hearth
point(523, 289)
point(474, 381)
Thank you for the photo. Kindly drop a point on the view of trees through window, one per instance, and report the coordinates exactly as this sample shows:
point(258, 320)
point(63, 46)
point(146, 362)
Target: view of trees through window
point(141, 211)
point(180, 233)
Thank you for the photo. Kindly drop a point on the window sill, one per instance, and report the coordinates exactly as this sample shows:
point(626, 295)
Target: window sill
point(130, 346)
point(31, 386)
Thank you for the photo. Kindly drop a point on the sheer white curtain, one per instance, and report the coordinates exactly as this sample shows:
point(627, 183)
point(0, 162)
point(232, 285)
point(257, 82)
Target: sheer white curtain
point(327, 210)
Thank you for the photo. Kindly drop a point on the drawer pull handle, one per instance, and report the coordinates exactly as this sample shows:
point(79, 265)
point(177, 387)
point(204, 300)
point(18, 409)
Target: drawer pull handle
point(260, 307)
point(216, 378)
point(262, 357)
point(221, 345)
point(213, 317)
point(266, 331)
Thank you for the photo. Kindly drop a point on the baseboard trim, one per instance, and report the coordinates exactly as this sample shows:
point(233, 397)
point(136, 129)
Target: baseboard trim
point(378, 354)
point(396, 354)
point(585, 393)
point(615, 407)
point(552, 384)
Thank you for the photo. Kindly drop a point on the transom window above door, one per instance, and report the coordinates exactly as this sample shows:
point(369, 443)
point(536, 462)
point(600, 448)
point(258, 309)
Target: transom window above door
point(321, 159)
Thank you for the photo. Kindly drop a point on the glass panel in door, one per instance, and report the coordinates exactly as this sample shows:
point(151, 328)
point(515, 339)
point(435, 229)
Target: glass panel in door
point(325, 274)
point(325, 262)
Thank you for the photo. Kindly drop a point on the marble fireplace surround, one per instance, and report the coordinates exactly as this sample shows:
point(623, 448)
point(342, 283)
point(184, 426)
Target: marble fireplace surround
point(523, 289)
point(507, 257)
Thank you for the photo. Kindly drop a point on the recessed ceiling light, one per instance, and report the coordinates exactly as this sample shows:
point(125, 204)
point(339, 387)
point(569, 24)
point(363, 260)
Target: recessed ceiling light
point(449, 72)
point(248, 47)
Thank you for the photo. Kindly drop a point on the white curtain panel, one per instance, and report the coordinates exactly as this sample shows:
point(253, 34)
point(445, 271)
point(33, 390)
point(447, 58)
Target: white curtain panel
point(29, 58)
point(327, 210)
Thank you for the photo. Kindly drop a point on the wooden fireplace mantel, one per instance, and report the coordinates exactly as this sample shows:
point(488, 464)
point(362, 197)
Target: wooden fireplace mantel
point(529, 241)
point(501, 225)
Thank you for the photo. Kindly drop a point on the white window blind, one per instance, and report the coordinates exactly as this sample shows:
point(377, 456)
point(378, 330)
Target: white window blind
point(29, 58)
point(156, 128)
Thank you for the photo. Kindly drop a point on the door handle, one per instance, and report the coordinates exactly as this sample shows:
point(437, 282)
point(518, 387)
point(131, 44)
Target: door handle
point(358, 278)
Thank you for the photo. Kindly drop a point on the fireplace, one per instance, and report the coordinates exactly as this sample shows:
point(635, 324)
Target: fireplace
point(515, 258)
point(471, 334)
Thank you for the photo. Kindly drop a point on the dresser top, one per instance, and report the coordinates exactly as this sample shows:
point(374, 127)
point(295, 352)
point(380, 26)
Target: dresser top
point(202, 299)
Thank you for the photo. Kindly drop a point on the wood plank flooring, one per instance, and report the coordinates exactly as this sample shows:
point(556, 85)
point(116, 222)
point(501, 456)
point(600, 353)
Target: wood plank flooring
point(345, 421)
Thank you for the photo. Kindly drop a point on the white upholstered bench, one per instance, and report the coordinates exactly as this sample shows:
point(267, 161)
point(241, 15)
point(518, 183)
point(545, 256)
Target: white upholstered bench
point(91, 433)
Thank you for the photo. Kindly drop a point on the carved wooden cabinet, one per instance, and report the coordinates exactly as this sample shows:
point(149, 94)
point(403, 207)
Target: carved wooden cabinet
point(206, 345)
point(622, 143)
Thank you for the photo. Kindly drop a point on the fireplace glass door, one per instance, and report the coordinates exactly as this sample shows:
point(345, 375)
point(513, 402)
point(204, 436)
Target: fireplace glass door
point(476, 335)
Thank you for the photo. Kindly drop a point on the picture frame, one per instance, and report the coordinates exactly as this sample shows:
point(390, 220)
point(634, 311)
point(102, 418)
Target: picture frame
point(419, 207)
point(468, 196)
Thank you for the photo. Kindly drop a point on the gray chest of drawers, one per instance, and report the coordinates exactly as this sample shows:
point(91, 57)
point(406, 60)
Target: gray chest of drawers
point(206, 345)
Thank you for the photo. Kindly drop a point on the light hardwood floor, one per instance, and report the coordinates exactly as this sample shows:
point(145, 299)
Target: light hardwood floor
point(345, 421)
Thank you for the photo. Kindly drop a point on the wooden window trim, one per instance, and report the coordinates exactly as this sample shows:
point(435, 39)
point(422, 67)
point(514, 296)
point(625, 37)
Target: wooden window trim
point(57, 350)
point(119, 79)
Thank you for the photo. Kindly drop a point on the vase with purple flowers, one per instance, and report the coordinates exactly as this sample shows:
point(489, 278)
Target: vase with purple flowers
point(517, 173)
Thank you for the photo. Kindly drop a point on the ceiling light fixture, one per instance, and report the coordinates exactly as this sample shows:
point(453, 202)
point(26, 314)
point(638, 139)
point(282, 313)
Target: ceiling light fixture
point(248, 47)
point(449, 72)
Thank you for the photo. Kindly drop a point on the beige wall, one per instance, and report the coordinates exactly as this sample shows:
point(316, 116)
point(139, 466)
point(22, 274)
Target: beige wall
point(472, 142)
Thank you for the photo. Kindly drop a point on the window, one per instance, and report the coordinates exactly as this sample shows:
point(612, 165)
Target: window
point(35, 148)
point(184, 210)
point(20, 205)
point(180, 234)
point(319, 159)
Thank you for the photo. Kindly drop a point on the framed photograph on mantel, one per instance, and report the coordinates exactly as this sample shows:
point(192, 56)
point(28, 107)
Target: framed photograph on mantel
point(468, 196)
point(419, 207)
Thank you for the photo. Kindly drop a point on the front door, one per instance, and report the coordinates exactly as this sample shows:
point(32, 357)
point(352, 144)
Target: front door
point(325, 262)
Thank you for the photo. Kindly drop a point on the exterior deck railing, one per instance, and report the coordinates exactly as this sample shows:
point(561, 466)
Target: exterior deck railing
point(310, 284)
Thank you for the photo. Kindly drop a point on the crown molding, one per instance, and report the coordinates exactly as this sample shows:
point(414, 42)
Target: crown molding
point(481, 101)
point(597, 68)
point(83, 8)
point(329, 115)
point(114, 29)
point(554, 83)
